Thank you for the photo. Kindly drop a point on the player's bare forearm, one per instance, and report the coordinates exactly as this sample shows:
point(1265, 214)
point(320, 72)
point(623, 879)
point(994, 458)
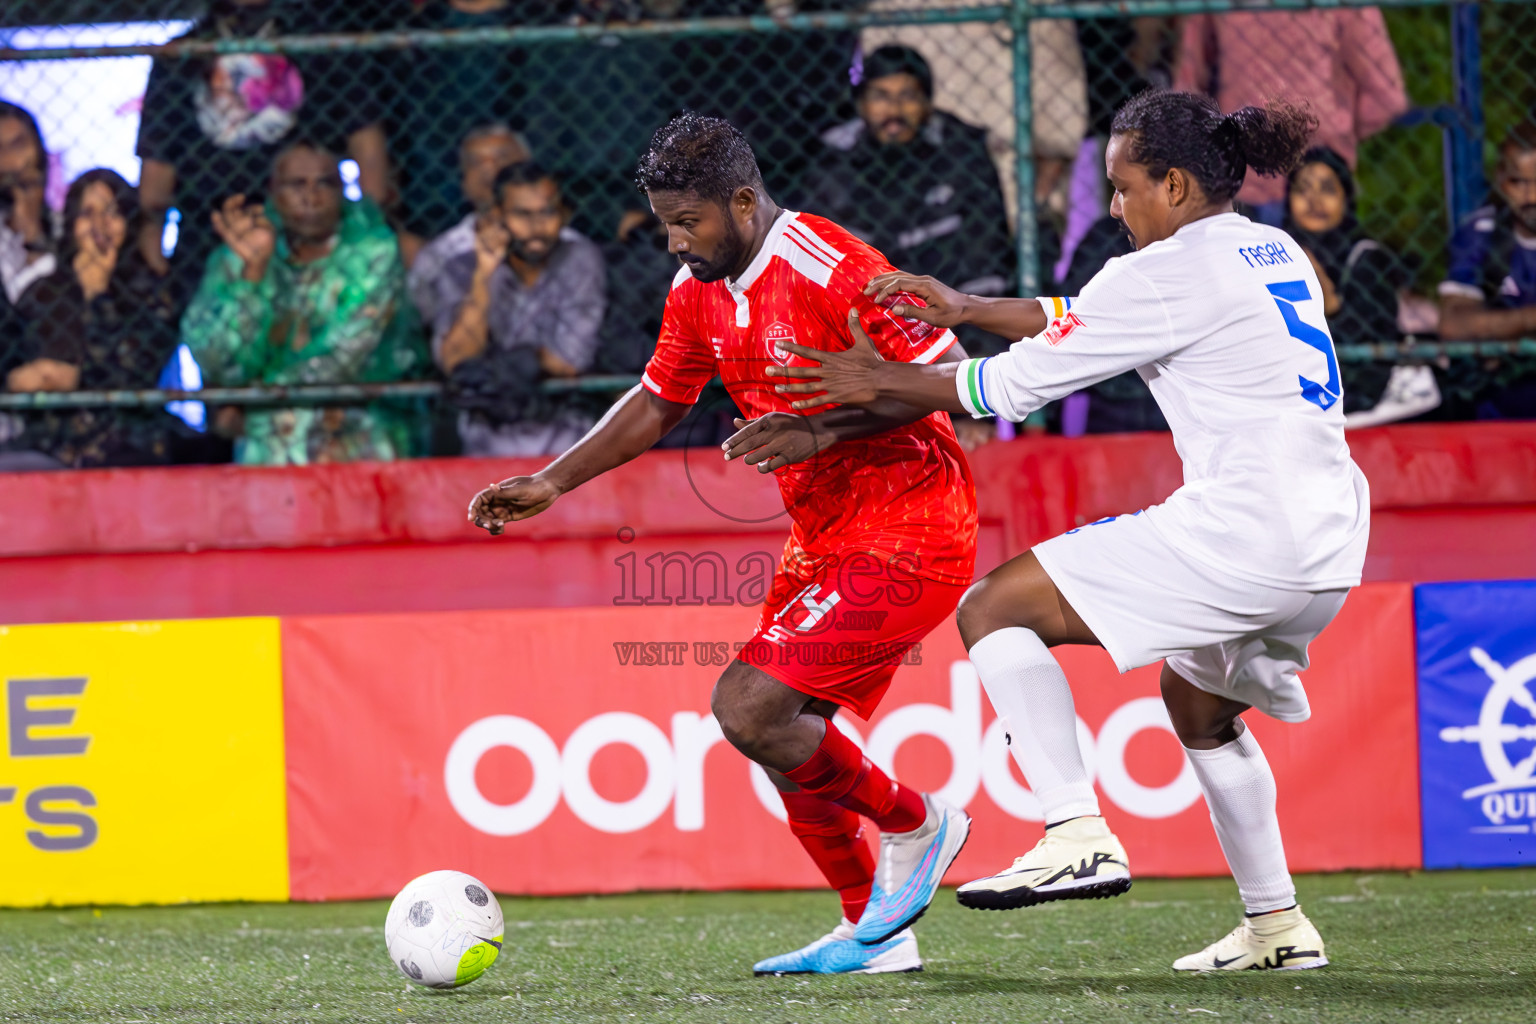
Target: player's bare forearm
point(1009, 318)
point(848, 423)
point(635, 423)
point(943, 306)
point(778, 439)
point(909, 386)
point(851, 422)
point(928, 388)
point(859, 376)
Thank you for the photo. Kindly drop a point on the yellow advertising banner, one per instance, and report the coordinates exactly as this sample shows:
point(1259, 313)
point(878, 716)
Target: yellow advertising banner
point(142, 763)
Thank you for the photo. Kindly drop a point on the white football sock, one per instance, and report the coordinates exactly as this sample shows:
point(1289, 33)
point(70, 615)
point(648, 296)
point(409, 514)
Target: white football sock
point(1239, 789)
point(1028, 689)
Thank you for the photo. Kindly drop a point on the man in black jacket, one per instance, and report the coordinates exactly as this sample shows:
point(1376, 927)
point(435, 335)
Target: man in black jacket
point(915, 182)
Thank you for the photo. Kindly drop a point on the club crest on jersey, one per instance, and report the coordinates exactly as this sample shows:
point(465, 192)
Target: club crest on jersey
point(777, 333)
point(1061, 328)
point(916, 329)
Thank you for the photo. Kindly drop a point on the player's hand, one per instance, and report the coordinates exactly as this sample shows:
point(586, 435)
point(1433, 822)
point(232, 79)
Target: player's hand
point(516, 498)
point(849, 377)
point(945, 306)
point(775, 440)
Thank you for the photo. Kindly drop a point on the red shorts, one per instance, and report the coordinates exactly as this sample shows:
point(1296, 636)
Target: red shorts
point(840, 634)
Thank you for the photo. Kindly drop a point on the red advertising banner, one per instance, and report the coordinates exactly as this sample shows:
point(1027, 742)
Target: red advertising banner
point(1449, 501)
point(572, 751)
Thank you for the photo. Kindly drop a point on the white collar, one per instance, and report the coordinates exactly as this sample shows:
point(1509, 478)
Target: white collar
point(760, 262)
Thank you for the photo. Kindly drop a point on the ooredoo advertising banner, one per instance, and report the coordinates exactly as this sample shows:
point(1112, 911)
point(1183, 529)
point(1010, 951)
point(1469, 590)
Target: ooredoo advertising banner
point(572, 750)
point(1477, 722)
point(142, 763)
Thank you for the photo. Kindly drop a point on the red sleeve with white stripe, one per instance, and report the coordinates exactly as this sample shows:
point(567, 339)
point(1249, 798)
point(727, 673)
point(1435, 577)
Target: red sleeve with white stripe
point(898, 339)
point(683, 362)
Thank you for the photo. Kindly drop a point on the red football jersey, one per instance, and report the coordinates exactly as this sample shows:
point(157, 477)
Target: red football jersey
point(904, 493)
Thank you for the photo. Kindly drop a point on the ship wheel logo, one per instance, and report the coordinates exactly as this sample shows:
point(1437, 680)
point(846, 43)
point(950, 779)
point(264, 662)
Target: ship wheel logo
point(1494, 735)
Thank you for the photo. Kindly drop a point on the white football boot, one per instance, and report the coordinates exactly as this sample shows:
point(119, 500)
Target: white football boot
point(1079, 859)
point(1282, 941)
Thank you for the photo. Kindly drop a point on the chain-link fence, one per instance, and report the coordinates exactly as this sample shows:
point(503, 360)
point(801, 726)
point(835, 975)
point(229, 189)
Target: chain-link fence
point(224, 247)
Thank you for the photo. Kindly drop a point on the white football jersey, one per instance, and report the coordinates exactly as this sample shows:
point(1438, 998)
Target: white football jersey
point(1224, 321)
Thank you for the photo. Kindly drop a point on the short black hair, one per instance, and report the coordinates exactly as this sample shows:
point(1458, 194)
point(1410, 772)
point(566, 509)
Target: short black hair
point(306, 144)
point(1167, 128)
point(1520, 139)
point(707, 156)
point(15, 111)
point(491, 130)
point(524, 172)
point(1330, 158)
point(893, 60)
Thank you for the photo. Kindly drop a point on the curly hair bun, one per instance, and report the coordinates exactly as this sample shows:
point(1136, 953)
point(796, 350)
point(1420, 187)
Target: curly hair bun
point(1187, 130)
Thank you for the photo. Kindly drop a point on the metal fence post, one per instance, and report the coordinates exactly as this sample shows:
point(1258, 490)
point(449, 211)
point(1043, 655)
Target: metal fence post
point(1026, 244)
point(1468, 185)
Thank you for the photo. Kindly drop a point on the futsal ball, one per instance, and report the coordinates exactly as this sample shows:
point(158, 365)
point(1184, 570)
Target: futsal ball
point(444, 929)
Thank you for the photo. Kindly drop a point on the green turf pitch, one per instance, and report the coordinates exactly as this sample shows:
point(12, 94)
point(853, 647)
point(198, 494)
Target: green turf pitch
point(1430, 947)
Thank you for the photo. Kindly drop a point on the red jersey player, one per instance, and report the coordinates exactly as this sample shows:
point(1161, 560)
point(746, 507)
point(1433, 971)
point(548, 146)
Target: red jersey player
point(885, 523)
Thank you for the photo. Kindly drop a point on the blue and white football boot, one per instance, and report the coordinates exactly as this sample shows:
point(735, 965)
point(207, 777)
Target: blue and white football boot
point(838, 952)
point(909, 870)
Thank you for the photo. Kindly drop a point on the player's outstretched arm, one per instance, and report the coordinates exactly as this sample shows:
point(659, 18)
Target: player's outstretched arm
point(945, 307)
point(778, 439)
point(858, 376)
point(635, 423)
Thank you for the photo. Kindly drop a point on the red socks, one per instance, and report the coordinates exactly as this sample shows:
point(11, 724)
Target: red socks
point(834, 838)
point(840, 772)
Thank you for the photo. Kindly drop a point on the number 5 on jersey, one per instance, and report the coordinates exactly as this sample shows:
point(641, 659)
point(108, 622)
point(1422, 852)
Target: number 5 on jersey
point(1286, 294)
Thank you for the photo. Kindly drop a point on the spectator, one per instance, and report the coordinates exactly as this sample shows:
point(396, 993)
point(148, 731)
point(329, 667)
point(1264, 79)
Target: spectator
point(26, 241)
point(973, 70)
point(527, 302)
point(588, 107)
point(309, 290)
point(1359, 276)
point(438, 95)
point(1122, 57)
point(210, 127)
point(1360, 279)
point(26, 248)
point(482, 155)
point(1491, 290)
point(640, 272)
point(103, 321)
point(1339, 62)
point(774, 86)
point(588, 104)
point(915, 182)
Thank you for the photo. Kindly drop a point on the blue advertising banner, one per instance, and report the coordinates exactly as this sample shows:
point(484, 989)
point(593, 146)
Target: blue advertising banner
point(1477, 722)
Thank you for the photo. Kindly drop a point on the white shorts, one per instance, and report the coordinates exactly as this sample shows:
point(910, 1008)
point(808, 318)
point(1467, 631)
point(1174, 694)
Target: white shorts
point(1146, 602)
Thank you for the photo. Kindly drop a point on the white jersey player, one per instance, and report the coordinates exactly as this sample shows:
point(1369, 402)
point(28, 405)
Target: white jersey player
point(1228, 580)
